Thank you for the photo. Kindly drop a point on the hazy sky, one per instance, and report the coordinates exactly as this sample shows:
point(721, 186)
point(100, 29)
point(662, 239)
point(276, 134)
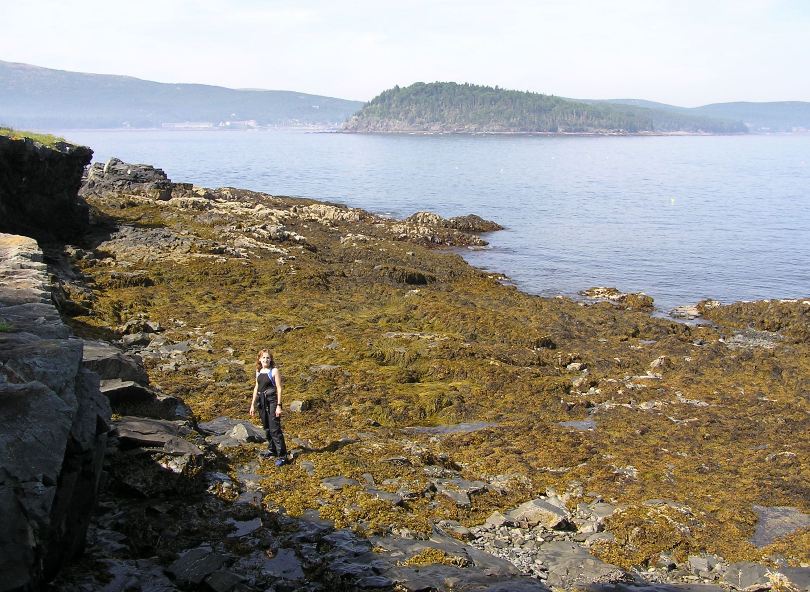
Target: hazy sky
point(686, 52)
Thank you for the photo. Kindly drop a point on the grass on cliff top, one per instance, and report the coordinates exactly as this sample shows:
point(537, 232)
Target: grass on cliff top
point(44, 139)
point(712, 428)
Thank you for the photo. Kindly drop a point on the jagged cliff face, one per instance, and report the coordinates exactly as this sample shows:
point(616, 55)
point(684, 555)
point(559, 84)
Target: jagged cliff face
point(53, 425)
point(38, 187)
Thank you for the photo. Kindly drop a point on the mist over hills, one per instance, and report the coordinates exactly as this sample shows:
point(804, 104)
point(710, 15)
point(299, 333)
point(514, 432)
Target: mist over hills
point(33, 97)
point(42, 98)
point(775, 116)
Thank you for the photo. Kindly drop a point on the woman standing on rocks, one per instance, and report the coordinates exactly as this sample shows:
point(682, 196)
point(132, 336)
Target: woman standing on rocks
point(267, 397)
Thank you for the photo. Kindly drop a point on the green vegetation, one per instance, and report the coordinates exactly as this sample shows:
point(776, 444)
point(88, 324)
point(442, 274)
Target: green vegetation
point(44, 139)
point(5, 327)
point(469, 108)
point(709, 428)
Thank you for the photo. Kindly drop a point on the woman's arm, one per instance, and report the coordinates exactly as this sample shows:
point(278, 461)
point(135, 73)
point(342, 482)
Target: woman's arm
point(277, 380)
point(255, 397)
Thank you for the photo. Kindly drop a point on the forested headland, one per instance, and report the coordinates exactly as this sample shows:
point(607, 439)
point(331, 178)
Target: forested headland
point(449, 107)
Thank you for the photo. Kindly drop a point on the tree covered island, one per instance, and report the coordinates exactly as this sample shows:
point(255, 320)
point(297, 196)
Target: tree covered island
point(449, 107)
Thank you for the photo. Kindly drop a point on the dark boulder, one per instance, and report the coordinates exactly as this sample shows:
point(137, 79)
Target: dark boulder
point(38, 189)
point(118, 176)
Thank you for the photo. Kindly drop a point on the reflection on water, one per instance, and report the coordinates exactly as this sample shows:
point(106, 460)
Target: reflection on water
point(680, 218)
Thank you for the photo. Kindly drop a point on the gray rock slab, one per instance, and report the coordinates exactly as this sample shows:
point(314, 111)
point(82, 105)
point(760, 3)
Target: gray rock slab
point(746, 574)
point(244, 527)
point(539, 512)
point(653, 587)
point(571, 566)
point(601, 510)
point(337, 483)
point(108, 362)
point(392, 498)
point(458, 428)
point(223, 581)
point(448, 578)
point(402, 549)
point(225, 426)
point(374, 583)
point(460, 498)
point(116, 575)
point(53, 425)
point(347, 543)
point(285, 565)
point(496, 519)
point(350, 569)
point(798, 576)
point(31, 459)
point(583, 425)
point(453, 529)
point(38, 318)
point(127, 397)
point(299, 406)
point(777, 521)
point(193, 566)
point(154, 433)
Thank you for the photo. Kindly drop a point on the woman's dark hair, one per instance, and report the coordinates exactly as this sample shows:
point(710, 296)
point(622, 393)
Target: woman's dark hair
point(260, 354)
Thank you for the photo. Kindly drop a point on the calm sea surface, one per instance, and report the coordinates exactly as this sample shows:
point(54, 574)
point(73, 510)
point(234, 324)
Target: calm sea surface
point(680, 218)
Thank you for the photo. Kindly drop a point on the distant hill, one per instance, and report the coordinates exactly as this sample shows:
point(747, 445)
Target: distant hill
point(467, 108)
point(779, 116)
point(42, 98)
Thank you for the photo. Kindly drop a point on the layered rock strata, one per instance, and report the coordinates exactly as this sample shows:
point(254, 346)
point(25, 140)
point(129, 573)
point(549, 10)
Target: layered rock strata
point(53, 425)
point(38, 186)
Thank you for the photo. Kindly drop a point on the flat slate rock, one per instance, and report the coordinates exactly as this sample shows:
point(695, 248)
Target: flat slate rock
point(571, 566)
point(634, 587)
point(448, 578)
point(458, 428)
point(127, 397)
point(393, 498)
point(154, 433)
point(745, 574)
point(225, 426)
point(337, 483)
point(777, 521)
point(285, 565)
point(193, 566)
point(109, 362)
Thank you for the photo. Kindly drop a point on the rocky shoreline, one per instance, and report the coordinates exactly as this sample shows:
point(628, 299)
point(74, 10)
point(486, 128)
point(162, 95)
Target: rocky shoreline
point(447, 432)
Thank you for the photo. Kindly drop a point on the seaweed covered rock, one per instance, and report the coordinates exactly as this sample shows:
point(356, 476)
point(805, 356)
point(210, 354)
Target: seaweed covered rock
point(631, 301)
point(790, 318)
point(38, 188)
point(433, 384)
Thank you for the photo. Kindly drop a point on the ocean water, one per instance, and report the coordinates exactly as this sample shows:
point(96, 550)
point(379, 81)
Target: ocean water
point(681, 218)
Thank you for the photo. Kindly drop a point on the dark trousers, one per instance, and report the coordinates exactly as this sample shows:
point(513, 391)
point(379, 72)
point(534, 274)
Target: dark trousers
point(272, 429)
